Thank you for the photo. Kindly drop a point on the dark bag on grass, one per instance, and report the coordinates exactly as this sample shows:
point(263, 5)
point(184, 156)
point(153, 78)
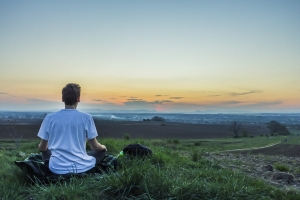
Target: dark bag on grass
point(108, 164)
point(36, 170)
point(34, 166)
point(137, 150)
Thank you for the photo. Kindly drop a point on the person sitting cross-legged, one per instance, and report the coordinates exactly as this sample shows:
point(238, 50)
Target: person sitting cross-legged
point(64, 134)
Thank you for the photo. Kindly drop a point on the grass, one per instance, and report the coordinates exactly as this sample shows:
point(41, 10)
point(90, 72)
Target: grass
point(217, 145)
point(282, 167)
point(177, 170)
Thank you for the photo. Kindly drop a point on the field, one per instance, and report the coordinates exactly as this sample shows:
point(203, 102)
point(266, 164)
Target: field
point(203, 167)
point(138, 129)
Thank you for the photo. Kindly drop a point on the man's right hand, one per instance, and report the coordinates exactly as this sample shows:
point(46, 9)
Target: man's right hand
point(96, 146)
point(104, 147)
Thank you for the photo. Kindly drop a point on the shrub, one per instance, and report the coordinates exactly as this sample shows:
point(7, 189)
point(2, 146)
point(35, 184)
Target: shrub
point(14, 133)
point(261, 135)
point(267, 135)
point(276, 127)
point(245, 133)
point(282, 167)
point(195, 155)
point(176, 141)
point(235, 127)
point(157, 118)
point(197, 143)
point(126, 136)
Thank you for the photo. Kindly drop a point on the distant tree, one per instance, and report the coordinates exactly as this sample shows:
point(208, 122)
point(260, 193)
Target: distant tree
point(157, 118)
point(14, 133)
point(235, 127)
point(245, 133)
point(276, 127)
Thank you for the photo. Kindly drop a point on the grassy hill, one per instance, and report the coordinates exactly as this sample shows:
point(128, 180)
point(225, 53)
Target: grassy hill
point(177, 170)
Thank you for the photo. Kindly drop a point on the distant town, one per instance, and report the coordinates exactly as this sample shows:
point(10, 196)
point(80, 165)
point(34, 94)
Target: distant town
point(289, 119)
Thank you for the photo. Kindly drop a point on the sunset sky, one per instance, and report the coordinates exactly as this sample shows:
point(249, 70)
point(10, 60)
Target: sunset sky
point(169, 56)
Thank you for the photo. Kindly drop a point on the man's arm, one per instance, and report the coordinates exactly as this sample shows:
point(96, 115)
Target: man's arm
point(96, 146)
point(43, 146)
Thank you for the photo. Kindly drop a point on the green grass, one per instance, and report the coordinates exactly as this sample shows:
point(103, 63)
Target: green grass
point(177, 170)
point(282, 167)
point(216, 145)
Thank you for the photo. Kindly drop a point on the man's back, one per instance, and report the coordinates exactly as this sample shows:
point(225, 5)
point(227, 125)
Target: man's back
point(67, 131)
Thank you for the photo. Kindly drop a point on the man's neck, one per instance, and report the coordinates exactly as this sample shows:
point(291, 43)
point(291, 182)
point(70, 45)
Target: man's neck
point(71, 106)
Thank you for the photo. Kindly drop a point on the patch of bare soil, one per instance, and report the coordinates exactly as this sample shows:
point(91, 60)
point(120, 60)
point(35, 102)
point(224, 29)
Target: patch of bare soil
point(263, 164)
point(290, 150)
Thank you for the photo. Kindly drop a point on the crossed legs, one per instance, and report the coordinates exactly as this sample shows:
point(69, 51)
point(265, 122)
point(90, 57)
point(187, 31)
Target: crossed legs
point(99, 155)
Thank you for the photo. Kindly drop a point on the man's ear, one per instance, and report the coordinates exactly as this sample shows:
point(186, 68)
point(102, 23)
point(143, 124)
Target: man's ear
point(78, 100)
point(62, 99)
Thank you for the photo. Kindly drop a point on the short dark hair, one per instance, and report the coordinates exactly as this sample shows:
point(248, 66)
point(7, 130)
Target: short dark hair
point(71, 93)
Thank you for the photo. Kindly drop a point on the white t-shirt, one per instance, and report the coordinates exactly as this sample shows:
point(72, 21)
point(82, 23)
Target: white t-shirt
point(67, 132)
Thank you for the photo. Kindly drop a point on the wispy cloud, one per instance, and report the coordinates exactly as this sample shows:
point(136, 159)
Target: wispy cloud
point(266, 103)
point(161, 95)
point(140, 105)
point(167, 101)
point(99, 100)
point(134, 99)
point(176, 97)
point(231, 102)
point(3, 93)
point(214, 95)
point(244, 93)
point(145, 104)
point(33, 100)
point(22, 103)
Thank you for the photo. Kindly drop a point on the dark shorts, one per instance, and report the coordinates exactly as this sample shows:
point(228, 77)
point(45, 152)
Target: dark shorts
point(99, 155)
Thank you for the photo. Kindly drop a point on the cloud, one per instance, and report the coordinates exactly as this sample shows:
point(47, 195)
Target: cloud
point(233, 94)
point(135, 99)
point(141, 104)
point(98, 100)
point(166, 101)
point(29, 104)
point(176, 97)
point(161, 95)
point(3, 93)
point(112, 98)
point(229, 103)
point(265, 103)
point(244, 93)
point(33, 100)
point(215, 95)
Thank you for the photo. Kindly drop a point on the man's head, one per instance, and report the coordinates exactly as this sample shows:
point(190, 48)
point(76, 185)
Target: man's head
point(71, 94)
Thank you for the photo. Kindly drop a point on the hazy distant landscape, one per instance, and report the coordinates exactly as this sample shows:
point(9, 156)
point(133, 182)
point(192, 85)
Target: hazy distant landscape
point(192, 118)
point(175, 125)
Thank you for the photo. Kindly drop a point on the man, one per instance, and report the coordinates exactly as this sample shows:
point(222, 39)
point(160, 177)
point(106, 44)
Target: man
point(64, 134)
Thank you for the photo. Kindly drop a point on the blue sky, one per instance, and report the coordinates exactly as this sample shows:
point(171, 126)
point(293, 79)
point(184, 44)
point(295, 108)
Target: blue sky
point(226, 56)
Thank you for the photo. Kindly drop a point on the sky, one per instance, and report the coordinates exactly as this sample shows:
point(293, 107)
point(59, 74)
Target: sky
point(204, 56)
